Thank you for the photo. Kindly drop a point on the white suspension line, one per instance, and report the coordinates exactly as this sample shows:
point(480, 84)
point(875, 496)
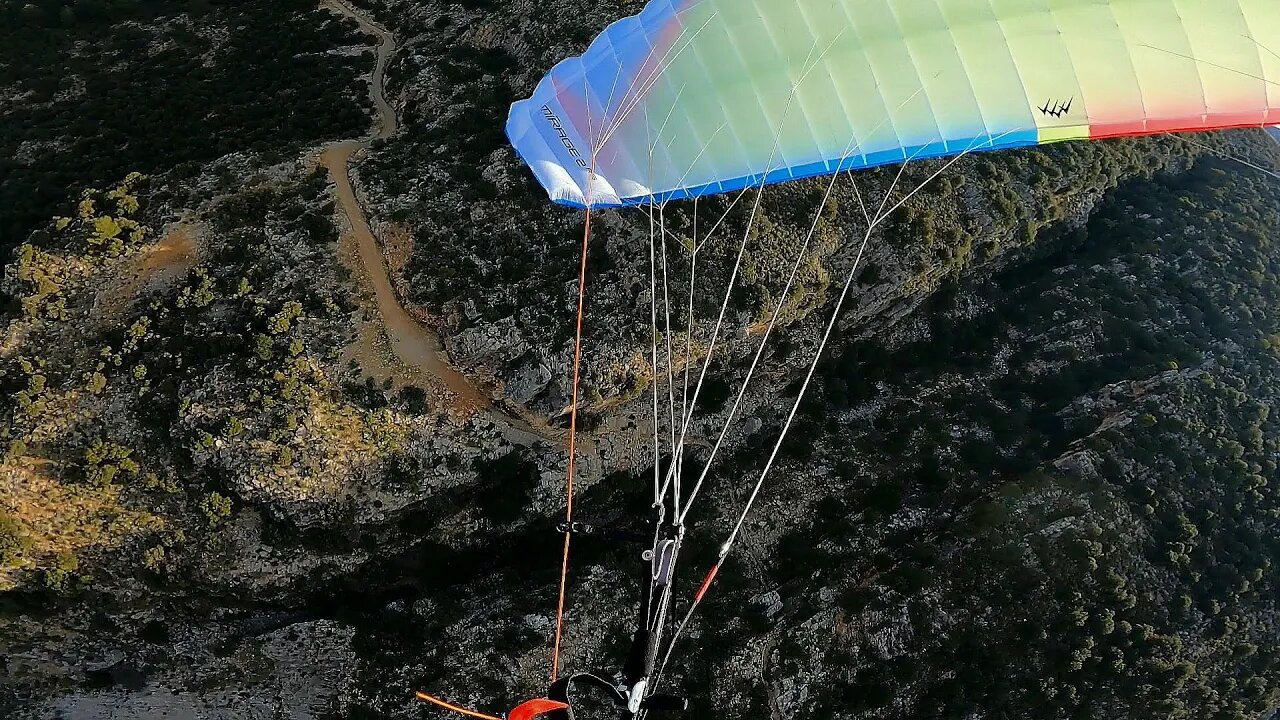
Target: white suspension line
point(666, 307)
point(727, 546)
point(678, 447)
point(764, 341)
point(848, 152)
point(1226, 155)
point(667, 589)
point(660, 487)
point(746, 233)
point(653, 363)
point(716, 225)
point(663, 232)
point(664, 484)
point(826, 336)
point(881, 215)
point(658, 492)
point(626, 106)
point(688, 335)
point(592, 141)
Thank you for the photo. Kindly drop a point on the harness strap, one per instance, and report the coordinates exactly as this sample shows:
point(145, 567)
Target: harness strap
point(536, 708)
point(559, 690)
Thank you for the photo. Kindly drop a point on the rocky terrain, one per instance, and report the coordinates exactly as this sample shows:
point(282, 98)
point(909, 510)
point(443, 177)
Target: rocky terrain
point(1035, 476)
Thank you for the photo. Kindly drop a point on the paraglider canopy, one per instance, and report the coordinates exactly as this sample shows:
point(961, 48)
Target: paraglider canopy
point(699, 97)
point(695, 97)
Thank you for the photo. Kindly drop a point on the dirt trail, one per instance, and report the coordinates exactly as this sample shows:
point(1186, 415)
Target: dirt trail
point(410, 341)
point(414, 346)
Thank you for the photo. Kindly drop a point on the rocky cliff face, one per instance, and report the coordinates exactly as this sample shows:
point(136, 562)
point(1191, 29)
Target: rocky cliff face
point(1035, 476)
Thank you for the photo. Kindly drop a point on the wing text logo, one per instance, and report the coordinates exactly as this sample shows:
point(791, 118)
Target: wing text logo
point(1056, 108)
point(564, 136)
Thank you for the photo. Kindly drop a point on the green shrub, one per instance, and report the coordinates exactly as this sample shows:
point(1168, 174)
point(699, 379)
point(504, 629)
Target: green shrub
point(216, 509)
point(13, 540)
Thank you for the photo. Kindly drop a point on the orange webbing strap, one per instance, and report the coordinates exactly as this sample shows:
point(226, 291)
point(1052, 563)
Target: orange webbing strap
point(573, 428)
point(450, 706)
point(536, 708)
point(706, 584)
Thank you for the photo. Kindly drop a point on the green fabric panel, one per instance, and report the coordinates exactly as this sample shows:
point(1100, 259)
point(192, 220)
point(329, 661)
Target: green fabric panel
point(988, 63)
point(1264, 25)
point(1156, 23)
point(1215, 31)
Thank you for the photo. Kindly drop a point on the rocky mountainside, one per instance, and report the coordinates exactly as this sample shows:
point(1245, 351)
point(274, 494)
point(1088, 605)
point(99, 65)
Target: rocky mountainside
point(1035, 476)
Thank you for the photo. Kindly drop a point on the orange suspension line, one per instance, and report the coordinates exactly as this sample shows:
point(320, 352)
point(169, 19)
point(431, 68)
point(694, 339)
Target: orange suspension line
point(450, 706)
point(573, 426)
